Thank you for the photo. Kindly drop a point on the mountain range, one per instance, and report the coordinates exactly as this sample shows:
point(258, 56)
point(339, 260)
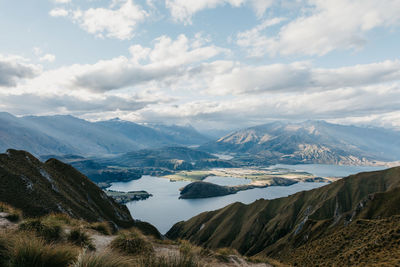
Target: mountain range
point(309, 142)
point(43, 135)
point(277, 142)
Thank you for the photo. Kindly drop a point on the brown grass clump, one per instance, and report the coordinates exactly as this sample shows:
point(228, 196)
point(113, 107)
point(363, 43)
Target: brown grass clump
point(132, 242)
point(49, 231)
point(187, 249)
point(34, 252)
point(14, 215)
point(79, 238)
point(106, 259)
point(183, 261)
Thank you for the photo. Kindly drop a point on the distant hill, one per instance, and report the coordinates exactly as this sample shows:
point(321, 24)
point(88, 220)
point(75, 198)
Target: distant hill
point(84, 136)
point(170, 158)
point(16, 133)
point(59, 135)
point(349, 222)
point(54, 187)
point(309, 142)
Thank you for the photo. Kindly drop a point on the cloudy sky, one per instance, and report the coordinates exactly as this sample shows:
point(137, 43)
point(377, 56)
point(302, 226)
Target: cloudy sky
point(210, 63)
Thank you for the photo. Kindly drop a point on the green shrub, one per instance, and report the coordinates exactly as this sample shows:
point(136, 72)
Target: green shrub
point(49, 231)
point(106, 259)
point(132, 242)
point(77, 237)
point(101, 227)
point(33, 252)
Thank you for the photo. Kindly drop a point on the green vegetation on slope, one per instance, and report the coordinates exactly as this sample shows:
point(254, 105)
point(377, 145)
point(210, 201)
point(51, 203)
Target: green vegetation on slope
point(277, 227)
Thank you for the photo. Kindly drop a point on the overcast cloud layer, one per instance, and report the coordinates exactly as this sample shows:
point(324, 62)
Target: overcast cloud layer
point(212, 63)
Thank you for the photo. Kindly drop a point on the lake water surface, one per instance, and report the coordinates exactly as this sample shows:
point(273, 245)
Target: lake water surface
point(165, 208)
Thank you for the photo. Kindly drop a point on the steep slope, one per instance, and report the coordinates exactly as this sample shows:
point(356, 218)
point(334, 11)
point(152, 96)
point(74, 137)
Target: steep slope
point(310, 142)
point(15, 133)
point(285, 228)
point(54, 187)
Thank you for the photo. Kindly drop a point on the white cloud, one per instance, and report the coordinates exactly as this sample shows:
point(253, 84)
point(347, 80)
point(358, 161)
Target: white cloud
point(62, 1)
point(257, 109)
point(301, 76)
point(326, 26)
point(260, 6)
point(14, 69)
point(48, 58)
point(167, 61)
point(58, 12)
point(118, 21)
point(254, 39)
point(183, 10)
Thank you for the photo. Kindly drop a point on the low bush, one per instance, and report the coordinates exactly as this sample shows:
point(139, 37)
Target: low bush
point(132, 242)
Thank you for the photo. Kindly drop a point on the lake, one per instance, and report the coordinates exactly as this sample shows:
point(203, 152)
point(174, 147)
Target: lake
point(164, 208)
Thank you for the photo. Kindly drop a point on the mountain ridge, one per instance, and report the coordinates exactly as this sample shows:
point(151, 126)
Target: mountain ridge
point(278, 227)
point(309, 142)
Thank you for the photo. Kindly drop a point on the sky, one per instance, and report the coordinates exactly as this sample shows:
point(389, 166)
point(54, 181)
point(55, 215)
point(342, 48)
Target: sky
point(214, 64)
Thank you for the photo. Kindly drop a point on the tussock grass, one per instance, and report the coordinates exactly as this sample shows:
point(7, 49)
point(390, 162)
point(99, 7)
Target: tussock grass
point(61, 219)
point(264, 259)
point(49, 231)
point(101, 227)
point(14, 215)
point(106, 259)
point(183, 261)
point(34, 252)
point(132, 242)
point(187, 249)
point(79, 238)
point(4, 250)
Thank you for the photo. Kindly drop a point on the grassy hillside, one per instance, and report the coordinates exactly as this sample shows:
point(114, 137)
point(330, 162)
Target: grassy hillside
point(61, 241)
point(39, 188)
point(286, 227)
